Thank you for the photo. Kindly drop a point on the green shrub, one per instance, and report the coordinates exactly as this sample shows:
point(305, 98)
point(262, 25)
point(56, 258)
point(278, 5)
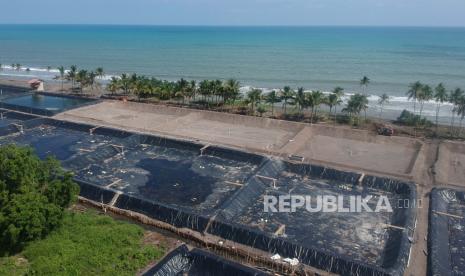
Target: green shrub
point(409, 119)
point(91, 244)
point(33, 196)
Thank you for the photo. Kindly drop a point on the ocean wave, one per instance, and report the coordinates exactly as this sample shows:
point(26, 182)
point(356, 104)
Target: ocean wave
point(50, 74)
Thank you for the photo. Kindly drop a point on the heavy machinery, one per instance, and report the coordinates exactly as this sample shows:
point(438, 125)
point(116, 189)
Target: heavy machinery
point(384, 129)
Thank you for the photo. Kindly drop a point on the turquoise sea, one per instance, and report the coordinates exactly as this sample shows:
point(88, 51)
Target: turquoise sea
point(266, 57)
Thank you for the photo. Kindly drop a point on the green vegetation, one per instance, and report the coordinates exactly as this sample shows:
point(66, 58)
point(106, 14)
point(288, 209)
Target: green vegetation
point(40, 236)
point(356, 104)
point(224, 96)
point(421, 93)
point(86, 244)
point(407, 118)
point(383, 99)
point(33, 196)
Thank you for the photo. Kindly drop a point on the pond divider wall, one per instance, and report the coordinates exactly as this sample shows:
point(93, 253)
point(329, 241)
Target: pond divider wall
point(25, 109)
point(439, 240)
point(198, 262)
point(176, 216)
point(220, 225)
point(16, 115)
point(95, 192)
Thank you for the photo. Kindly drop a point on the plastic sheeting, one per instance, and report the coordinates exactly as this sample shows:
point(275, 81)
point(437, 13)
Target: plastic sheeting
point(181, 261)
point(220, 190)
point(345, 243)
point(446, 239)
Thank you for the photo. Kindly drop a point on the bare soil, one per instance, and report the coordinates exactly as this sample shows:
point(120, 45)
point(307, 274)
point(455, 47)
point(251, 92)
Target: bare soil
point(341, 146)
point(450, 167)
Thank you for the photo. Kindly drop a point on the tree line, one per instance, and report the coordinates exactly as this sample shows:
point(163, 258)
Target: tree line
point(421, 93)
point(228, 92)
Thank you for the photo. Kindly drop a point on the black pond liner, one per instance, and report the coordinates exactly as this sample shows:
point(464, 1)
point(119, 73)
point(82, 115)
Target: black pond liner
point(446, 237)
point(396, 252)
point(95, 192)
point(13, 91)
point(181, 216)
point(42, 111)
point(10, 118)
point(178, 216)
point(15, 117)
point(181, 261)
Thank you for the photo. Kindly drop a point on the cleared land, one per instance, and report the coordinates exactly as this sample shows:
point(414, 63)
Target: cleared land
point(359, 150)
point(356, 149)
point(450, 167)
point(228, 129)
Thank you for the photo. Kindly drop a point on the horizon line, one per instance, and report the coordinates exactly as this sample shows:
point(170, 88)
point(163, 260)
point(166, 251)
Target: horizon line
point(226, 25)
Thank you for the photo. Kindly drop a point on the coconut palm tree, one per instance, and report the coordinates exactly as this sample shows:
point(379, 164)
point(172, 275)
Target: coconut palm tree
point(99, 72)
point(333, 101)
point(272, 98)
point(192, 89)
point(383, 99)
point(317, 98)
point(231, 89)
point(204, 89)
point(72, 74)
point(440, 96)
point(254, 96)
point(61, 70)
point(425, 96)
point(300, 99)
point(454, 99)
point(125, 83)
point(356, 104)
point(338, 92)
point(142, 87)
point(114, 85)
point(182, 86)
point(286, 94)
point(413, 93)
point(82, 78)
point(364, 84)
point(460, 109)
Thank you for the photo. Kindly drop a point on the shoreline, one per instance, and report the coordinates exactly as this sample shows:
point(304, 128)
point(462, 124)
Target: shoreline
point(391, 109)
point(388, 115)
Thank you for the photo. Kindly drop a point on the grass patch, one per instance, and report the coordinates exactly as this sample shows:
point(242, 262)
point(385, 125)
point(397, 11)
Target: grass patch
point(87, 243)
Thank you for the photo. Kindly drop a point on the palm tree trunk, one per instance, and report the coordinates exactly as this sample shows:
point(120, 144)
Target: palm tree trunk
point(311, 117)
point(272, 109)
point(335, 115)
point(460, 129)
point(437, 117)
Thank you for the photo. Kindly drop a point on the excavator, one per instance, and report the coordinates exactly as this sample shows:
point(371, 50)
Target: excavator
point(384, 129)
